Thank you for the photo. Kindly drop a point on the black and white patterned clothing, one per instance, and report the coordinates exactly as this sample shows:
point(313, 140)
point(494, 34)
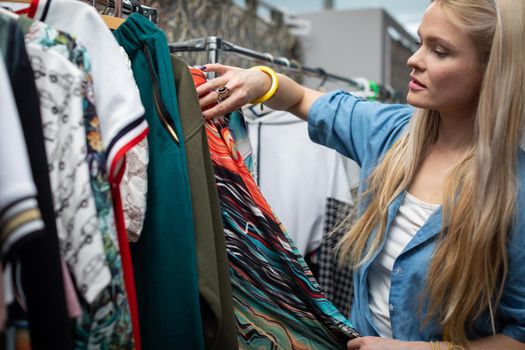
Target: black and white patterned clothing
point(59, 87)
point(335, 280)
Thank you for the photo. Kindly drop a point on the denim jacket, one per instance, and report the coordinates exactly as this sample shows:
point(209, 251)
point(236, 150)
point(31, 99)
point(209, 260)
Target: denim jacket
point(364, 131)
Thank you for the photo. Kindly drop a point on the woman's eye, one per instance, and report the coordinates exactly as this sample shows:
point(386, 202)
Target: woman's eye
point(440, 53)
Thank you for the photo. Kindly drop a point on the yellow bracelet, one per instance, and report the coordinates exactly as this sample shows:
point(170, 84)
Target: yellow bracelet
point(434, 345)
point(452, 346)
point(275, 84)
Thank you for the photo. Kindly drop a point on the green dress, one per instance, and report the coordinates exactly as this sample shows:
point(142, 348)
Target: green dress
point(220, 330)
point(164, 260)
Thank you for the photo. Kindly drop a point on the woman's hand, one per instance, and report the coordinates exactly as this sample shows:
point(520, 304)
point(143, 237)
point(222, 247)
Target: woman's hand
point(376, 343)
point(242, 86)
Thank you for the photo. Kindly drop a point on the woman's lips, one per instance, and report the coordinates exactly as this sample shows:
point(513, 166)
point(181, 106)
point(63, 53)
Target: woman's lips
point(416, 85)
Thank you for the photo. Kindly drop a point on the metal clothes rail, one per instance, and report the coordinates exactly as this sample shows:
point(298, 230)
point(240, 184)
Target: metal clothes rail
point(128, 7)
point(213, 45)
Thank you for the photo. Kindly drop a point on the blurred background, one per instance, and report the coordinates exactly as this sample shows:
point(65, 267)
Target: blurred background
point(363, 40)
point(407, 12)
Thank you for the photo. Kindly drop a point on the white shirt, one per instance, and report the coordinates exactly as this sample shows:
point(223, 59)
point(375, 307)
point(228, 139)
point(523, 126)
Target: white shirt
point(296, 175)
point(412, 214)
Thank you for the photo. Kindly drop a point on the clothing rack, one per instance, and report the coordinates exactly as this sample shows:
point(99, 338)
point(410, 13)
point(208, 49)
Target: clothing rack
point(213, 45)
point(129, 7)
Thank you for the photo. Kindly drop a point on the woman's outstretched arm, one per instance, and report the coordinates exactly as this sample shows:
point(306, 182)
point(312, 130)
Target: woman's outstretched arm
point(249, 84)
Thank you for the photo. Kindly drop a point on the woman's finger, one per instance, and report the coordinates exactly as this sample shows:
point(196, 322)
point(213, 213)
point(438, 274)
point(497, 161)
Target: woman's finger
point(354, 344)
point(211, 85)
point(209, 99)
point(216, 68)
point(233, 102)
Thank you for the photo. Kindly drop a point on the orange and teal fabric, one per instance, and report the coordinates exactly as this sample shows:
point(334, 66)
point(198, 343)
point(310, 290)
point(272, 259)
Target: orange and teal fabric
point(277, 302)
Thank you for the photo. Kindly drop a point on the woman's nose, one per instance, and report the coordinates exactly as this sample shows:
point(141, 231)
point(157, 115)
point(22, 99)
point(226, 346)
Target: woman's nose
point(415, 61)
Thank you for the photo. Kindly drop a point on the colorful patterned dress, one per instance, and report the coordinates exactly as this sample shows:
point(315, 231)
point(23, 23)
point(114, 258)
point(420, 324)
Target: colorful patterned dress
point(278, 303)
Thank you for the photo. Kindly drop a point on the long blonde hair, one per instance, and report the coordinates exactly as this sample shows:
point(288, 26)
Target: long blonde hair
point(470, 264)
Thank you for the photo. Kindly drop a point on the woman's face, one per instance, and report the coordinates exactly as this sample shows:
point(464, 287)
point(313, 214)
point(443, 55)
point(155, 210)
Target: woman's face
point(446, 70)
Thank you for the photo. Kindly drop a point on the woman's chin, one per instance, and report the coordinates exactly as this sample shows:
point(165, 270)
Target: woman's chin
point(415, 101)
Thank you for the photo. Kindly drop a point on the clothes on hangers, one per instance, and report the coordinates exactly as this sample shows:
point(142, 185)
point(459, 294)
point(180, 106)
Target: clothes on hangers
point(118, 101)
point(121, 112)
point(98, 330)
point(164, 257)
point(95, 327)
point(188, 296)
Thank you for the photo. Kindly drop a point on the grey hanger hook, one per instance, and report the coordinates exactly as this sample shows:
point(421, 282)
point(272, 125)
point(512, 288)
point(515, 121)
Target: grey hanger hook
point(270, 57)
point(285, 61)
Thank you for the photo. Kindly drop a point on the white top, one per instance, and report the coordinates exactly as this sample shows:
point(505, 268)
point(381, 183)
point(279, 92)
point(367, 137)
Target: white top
point(117, 97)
point(296, 175)
point(412, 214)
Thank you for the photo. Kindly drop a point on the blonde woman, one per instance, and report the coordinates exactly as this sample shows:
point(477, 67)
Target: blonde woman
point(439, 244)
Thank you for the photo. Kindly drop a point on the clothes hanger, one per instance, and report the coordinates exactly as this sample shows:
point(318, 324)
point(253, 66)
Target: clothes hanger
point(113, 22)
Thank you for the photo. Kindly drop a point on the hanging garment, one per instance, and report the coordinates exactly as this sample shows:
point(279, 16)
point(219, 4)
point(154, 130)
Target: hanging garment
point(118, 103)
point(220, 331)
point(20, 217)
point(59, 86)
point(164, 257)
point(295, 175)
point(41, 271)
point(106, 321)
point(336, 281)
point(278, 304)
